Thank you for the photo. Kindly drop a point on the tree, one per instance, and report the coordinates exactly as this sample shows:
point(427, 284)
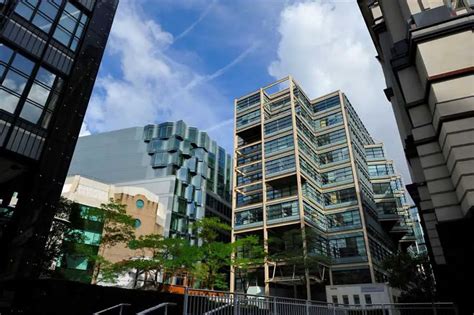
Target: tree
point(118, 228)
point(248, 254)
point(303, 251)
point(411, 274)
point(214, 256)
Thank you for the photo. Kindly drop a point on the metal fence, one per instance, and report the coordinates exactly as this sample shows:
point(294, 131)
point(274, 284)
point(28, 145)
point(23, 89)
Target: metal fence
point(206, 302)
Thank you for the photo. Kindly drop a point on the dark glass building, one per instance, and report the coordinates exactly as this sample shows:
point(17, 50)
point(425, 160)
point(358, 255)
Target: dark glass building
point(50, 52)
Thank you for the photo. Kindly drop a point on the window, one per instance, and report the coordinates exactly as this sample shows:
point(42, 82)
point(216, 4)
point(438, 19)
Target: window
point(279, 144)
point(339, 175)
point(39, 13)
point(248, 101)
point(387, 207)
point(276, 192)
point(328, 121)
point(248, 118)
point(331, 137)
point(41, 98)
point(326, 104)
point(334, 156)
point(283, 164)
point(70, 27)
point(382, 188)
point(334, 299)
point(16, 70)
point(345, 299)
point(374, 153)
point(140, 203)
point(346, 219)
point(277, 125)
point(282, 210)
point(347, 246)
point(380, 170)
point(351, 276)
point(247, 199)
point(356, 299)
point(138, 223)
point(340, 196)
point(248, 216)
point(368, 299)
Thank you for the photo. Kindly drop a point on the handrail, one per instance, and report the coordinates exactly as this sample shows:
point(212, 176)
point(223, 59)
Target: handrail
point(121, 305)
point(165, 305)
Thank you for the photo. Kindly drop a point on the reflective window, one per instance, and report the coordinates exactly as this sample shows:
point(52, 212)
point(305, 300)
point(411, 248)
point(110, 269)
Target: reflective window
point(277, 125)
point(39, 13)
point(248, 118)
point(16, 70)
point(347, 246)
point(248, 101)
point(326, 104)
point(279, 144)
point(282, 210)
point(382, 188)
point(140, 203)
point(328, 121)
point(340, 196)
point(71, 26)
point(248, 216)
point(331, 137)
point(374, 153)
point(39, 100)
point(283, 164)
point(334, 156)
point(339, 175)
point(344, 219)
point(380, 170)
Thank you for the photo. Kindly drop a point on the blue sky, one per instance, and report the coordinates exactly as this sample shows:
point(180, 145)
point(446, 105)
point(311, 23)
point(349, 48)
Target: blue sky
point(188, 59)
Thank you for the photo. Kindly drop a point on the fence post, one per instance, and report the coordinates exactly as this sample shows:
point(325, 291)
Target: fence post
point(275, 312)
point(236, 304)
point(434, 309)
point(307, 307)
point(185, 303)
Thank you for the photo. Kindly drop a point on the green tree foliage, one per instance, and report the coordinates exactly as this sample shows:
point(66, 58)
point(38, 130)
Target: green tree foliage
point(248, 254)
point(411, 274)
point(300, 249)
point(118, 228)
point(208, 264)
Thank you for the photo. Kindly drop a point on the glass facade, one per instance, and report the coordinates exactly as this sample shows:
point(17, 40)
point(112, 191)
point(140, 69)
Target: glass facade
point(324, 165)
point(50, 53)
point(202, 170)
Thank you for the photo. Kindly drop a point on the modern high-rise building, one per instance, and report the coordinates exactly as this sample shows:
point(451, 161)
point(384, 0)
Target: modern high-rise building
point(311, 164)
point(426, 49)
point(187, 170)
point(50, 52)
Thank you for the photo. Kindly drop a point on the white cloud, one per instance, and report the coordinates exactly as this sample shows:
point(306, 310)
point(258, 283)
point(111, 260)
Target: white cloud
point(150, 86)
point(84, 130)
point(326, 47)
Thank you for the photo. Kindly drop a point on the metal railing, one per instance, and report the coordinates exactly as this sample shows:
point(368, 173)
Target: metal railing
point(118, 306)
point(207, 302)
point(162, 306)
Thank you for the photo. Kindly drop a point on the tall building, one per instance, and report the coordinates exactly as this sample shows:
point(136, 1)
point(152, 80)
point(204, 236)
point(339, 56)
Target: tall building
point(426, 49)
point(50, 52)
point(187, 170)
point(311, 164)
point(89, 194)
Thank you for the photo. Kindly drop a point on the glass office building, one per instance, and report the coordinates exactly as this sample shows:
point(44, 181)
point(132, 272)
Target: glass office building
point(311, 164)
point(50, 52)
point(191, 173)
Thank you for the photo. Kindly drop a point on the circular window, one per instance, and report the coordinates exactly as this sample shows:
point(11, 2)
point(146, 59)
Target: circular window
point(138, 223)
point(140, 203)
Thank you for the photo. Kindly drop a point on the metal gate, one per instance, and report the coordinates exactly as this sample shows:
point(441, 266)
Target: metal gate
point(207, 302)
